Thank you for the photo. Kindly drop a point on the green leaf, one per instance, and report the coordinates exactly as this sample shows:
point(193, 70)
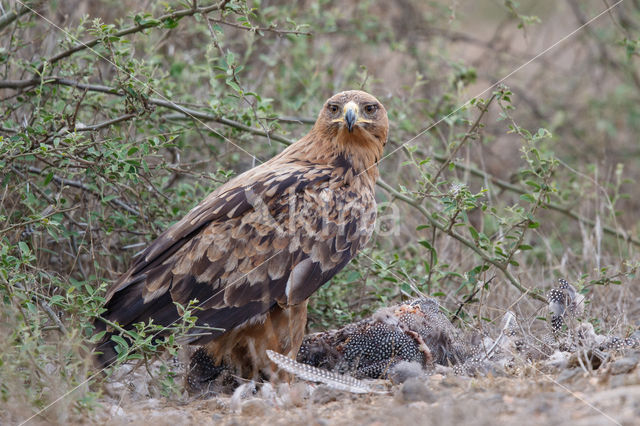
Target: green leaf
point(528, 197)
point(97, 337)
point(171, 22)
point(48, 179)
point(234, 85)
point(120, 341)
point(56, 299)
point(534, 184)
point(474, 233)
point(426, 244)
point(230, 59)
point(24, 248)
point(145, 21)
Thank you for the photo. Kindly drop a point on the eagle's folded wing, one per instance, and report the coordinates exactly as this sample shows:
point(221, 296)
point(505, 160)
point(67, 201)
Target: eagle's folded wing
point(272, 238)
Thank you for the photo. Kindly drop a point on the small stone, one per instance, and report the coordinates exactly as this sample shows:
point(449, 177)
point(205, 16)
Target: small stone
point(115, 389)
point(617, 381)
point(242, 393)
point(403, 371)
point(492, 399)
point(418, 406)
point(568, 374)
point(454, 381)
point(151, 403)
point(298, 392)
point(254, 407)
point(140, 387)
point(623, 365)
point(216, 404)
point(494, 369)
point(413, 390)
point(116, 411)
point(324, 394)
point(558, 360)
point(442, 371)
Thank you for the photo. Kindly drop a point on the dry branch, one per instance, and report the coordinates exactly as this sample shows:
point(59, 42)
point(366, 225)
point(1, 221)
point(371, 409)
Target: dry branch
point(77, 184)
point(188, 112)
point(11, 16)
point(150, 23)
point(260, 29)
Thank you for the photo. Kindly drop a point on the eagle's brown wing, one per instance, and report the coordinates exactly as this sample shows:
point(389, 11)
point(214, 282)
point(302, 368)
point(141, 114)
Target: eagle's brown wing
point(274, 239)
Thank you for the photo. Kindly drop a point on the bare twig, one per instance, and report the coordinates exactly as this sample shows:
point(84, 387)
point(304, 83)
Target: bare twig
point(23, 84)
point(17, 84)
point(221, 120)
point(77, 184)
point(37, 220)
point(470, 297)
point(259, 29)
point(52, 315)
point(472, 131)
point(295, 120)
point(11, 16)
point(104, 124)
point(188, 112)
point(281, 119)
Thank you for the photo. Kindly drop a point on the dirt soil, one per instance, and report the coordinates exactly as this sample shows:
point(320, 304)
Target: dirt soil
point(525, 395)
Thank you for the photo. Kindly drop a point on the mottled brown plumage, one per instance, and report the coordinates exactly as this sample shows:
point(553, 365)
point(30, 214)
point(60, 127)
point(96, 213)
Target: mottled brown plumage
point(257, 247)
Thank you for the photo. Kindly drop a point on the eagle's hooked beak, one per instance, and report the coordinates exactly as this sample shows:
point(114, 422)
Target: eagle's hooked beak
point(350, 115)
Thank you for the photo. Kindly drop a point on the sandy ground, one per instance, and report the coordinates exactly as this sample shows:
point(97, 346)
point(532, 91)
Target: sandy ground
point(526, 395)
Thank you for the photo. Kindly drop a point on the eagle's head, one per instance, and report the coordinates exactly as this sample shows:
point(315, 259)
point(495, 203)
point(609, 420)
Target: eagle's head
point(354, 117)
point(352, 126)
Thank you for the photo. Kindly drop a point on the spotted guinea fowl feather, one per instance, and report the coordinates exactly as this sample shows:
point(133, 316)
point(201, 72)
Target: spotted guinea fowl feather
point(333, 380)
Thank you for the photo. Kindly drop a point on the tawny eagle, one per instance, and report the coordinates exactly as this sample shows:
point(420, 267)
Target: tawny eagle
point(257, 247)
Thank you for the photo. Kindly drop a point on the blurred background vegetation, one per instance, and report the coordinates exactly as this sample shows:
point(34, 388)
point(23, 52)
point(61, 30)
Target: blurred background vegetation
point(117, 117)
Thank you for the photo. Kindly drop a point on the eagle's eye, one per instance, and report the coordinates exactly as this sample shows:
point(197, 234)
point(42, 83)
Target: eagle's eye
point(371, 108)
point(333, 108)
